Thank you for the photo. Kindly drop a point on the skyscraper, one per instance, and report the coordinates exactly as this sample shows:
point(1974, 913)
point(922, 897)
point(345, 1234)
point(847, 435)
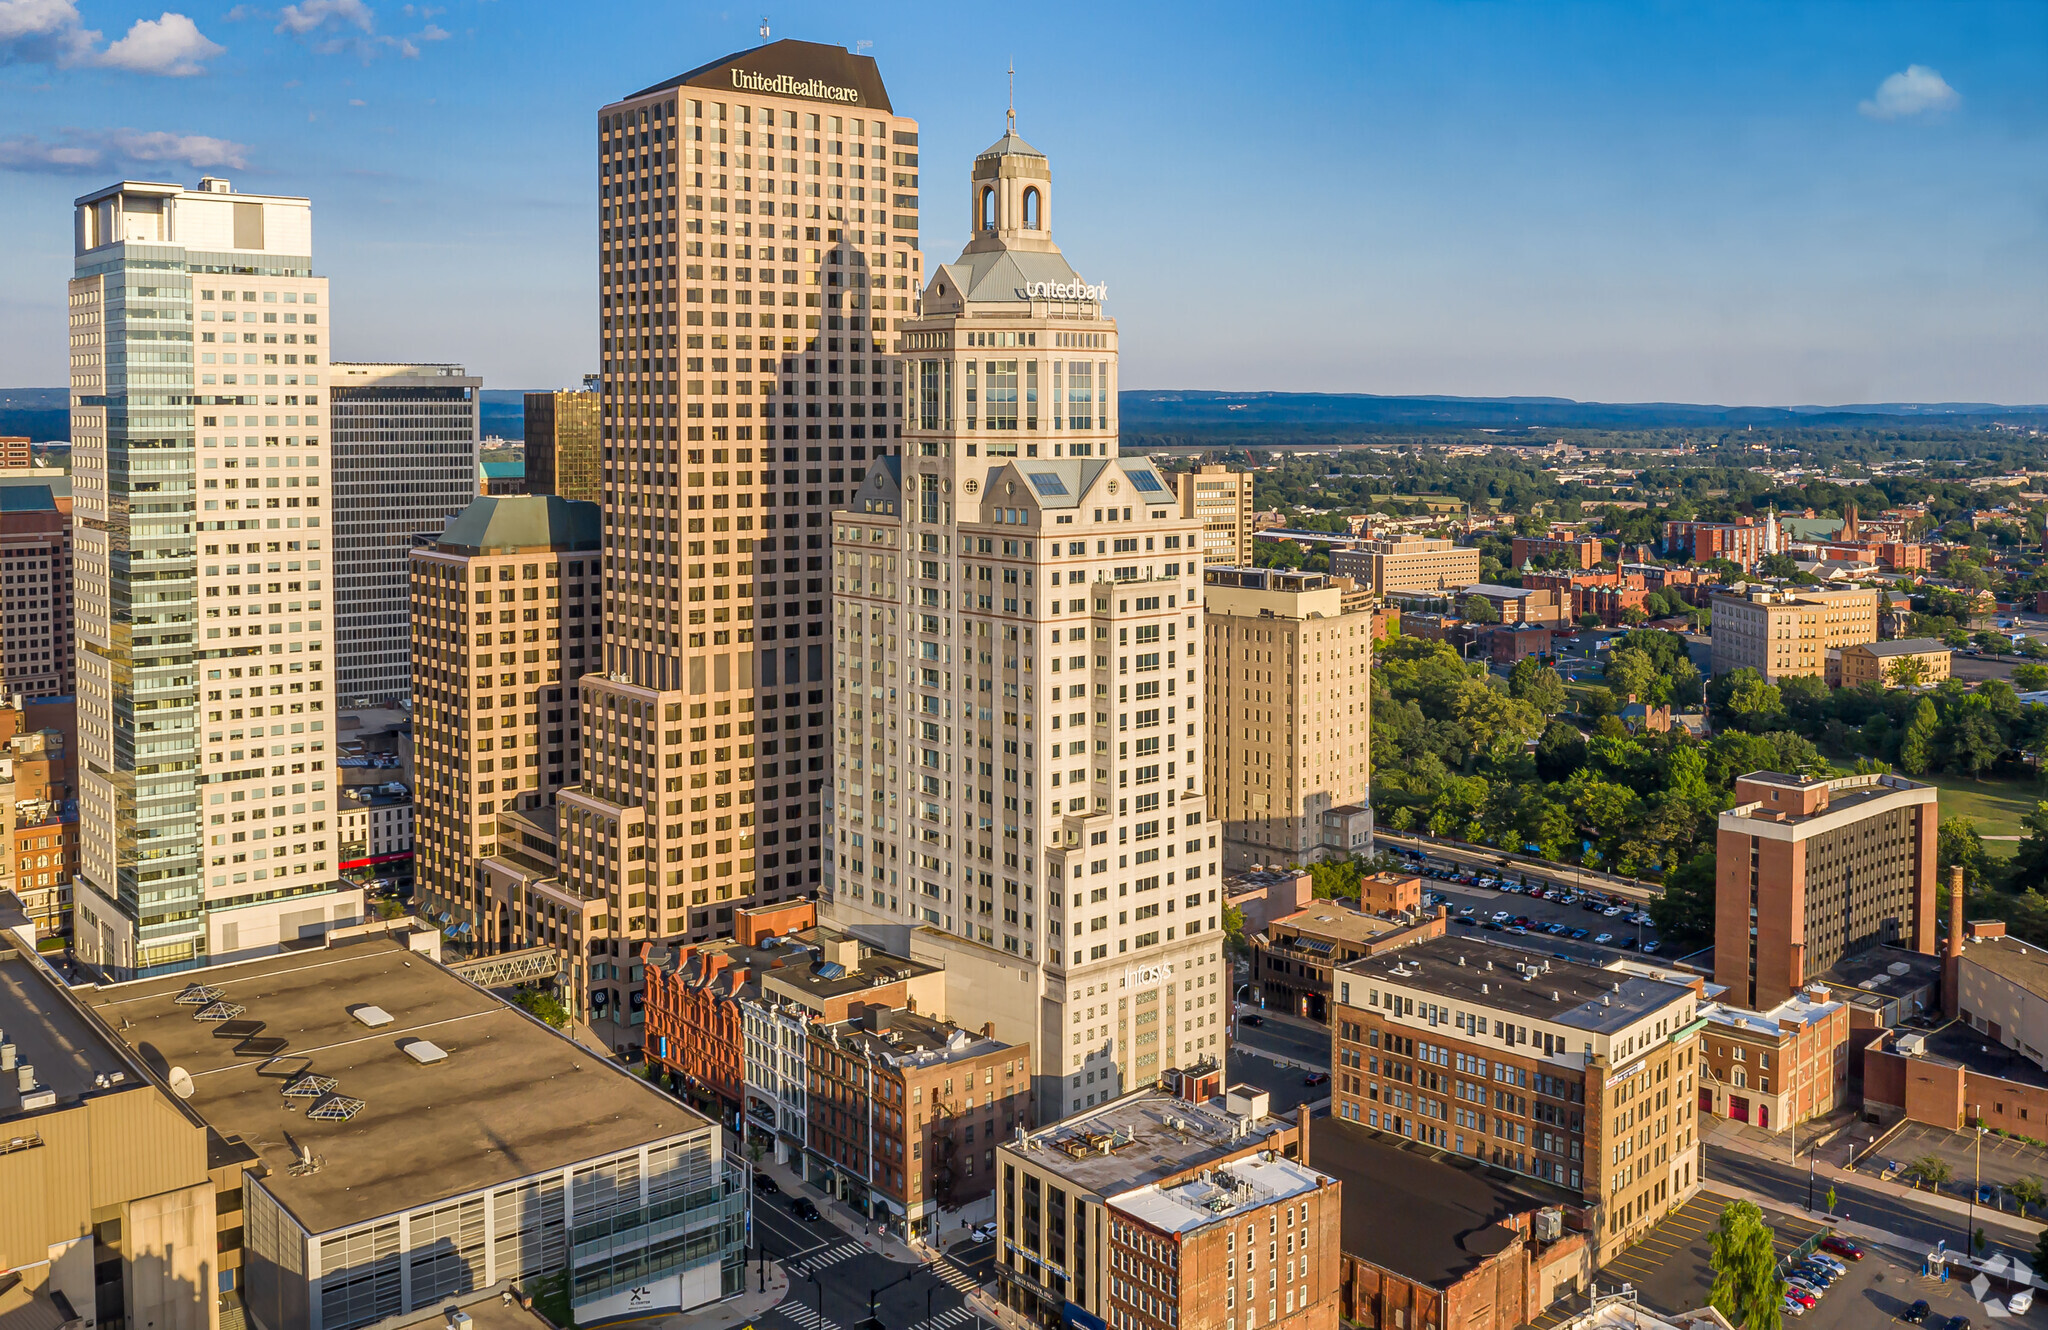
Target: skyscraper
point(1222, 498)
point(205, 684)
point(1018, 679)
point(564, 446)
point(758, 220)
point(405, 446)
point(36, 595)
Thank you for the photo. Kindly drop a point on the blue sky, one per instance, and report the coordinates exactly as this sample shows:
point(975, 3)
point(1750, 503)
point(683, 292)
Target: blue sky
point(1770, 203)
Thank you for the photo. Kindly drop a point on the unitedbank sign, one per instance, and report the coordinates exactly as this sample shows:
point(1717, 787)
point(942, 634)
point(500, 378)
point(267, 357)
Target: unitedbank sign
point(786, 85)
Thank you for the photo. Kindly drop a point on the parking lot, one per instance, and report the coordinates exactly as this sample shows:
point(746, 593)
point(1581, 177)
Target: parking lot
point(1570, 910)
point(2003, 1160)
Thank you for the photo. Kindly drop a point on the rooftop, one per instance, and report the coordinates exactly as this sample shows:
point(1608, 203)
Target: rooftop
point(1904, 646)
point(74, 1058)
point(1891, 971)
point(908, 1039)
point(2010, 959)
point(1144, 1138)
point(508, 524)
point(1216, 1197)
point(1498, 977)
point(1334, 922)
point(1957, 1045)
point(1451, 1208)
point(1799, 1009)
point(511, 1098)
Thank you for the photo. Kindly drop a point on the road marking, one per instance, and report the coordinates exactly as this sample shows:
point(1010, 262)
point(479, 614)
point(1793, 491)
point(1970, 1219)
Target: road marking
point(806, 1317)
point(833, 1255)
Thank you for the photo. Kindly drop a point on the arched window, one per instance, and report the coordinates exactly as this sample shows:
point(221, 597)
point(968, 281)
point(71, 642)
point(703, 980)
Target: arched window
point(988, 209)
point(1031, 222)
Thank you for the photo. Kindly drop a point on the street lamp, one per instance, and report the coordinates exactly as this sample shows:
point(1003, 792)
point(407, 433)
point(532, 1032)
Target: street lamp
point(1976, 1182)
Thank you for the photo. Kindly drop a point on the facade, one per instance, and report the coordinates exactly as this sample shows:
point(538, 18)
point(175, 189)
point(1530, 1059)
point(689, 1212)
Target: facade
point(179, 570)
point(1742, 542)
point(501, 478)
point(14, 452)
point(1406, 565)
point(1881, 663)
point(1578, 551)
point(36, 592)
point(1055, 1186)
point(1187, 1255)
point(1780, 634)
point(496, 730)
point(1294, 958)
point(1810, 871)
point(1283, 755)
point(564, 446)
point(376, 833)
point(905, 1113)
point(1475, 1248)
point(763, 247)
point(405, 459)
point(1017, 672)
point(1579, 1077)
point(1262, 895)
point(1221, 499)
point(526, 908)
point(1522, 606)
point(2002, 990)
point(377, 1202)
point(39, 810)
point(117, 1213)
point(1775, 1068)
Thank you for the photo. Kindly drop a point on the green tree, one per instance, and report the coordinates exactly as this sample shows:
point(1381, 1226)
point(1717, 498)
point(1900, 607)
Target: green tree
point(1907, 672)
point(1930, 1169)
point(2029, 1192)
point(1560, 752)
point(2030, 678)
point(1747, 1289)
point(1971, 743)
point(1233, 926)
point(2030, 859)
point(544, 1005)
point(1684, 914)
point(1335, 879)
point(1778, 565)
point(1957, 842)
point(1478, 609)
point(1916, 745)
point(1632, 673)
point(1537, 684)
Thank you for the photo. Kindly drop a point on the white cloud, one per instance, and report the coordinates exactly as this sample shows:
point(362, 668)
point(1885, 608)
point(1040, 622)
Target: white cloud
point(78, 151)
point(51, 32)
point(171, 45)
point(1914, 90)
point(316, 15)
point(332, 27)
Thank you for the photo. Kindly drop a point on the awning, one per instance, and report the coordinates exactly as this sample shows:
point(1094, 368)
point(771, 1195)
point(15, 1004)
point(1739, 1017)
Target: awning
point(893, 1208)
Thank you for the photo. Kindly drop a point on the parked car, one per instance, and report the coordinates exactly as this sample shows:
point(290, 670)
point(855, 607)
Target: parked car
point(1493, 925)
point(1832, 1263)
point(1604, 938)
point(1809, 1282)
point(983, 1231)
point(1252, 1018)
point(1804, 1297)
point(1819, 1276)
point(1847, 1250)
point(1917, 1313)
point(1651, 947)
point(1580, 934)
point(805, 1209)
point(1792, 1307)
point(766, 1185)
point(2020, 1303)
point(1958, 1323)
point(1316, 1078)
point(1463, 919)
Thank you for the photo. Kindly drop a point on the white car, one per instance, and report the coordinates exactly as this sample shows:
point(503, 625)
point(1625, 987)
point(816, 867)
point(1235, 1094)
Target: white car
point(983, 1232)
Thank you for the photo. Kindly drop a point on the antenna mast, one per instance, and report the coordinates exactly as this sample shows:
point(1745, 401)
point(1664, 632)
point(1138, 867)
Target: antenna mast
point(764, 25)
point(1012, 113)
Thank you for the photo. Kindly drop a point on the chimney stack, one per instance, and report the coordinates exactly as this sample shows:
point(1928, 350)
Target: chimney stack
point(1302, 1116)
point(1952, 951)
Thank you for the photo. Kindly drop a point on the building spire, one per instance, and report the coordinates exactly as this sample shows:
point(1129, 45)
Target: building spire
point(1012, 112)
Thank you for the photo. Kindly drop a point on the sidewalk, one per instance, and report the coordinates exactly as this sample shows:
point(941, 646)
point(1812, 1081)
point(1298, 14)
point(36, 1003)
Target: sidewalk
point(736, 1310)
point(843, 1218)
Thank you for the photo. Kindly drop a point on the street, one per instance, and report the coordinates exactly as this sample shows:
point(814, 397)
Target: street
point(824, 1262)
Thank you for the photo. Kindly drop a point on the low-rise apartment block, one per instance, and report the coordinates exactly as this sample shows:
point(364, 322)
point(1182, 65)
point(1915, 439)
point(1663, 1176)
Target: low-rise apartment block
point(1408, 564)
point(1580, 1077)
point(1781, 634)
point(1899, 663)
point(1577, 551)
point(36, 593)
point(1777, 1068)
point(1293, 958)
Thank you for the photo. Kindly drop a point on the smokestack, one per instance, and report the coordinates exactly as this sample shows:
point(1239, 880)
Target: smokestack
point(1302, 1117)
point(1951, 964)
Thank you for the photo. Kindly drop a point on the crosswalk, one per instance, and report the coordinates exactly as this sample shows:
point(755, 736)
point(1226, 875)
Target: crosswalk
point(946, 1320)
point(805, 1318)
point(819, 1260)
point(955, 1276)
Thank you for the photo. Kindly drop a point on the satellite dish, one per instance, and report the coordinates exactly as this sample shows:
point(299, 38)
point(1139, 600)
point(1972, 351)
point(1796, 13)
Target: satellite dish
point(181, 1082)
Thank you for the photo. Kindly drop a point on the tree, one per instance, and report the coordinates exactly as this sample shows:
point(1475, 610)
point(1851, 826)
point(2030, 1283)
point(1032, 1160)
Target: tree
point(1930, 1169)
point(1684, 914)
point(1971, 743)
point(1478, 609)
point(1908, 672)
point(1747, 1289)
point(1778, 565)
point(2030, 859)
point(1957, 842)
point(1233, 926)
point(2028, 1191)
point(544, 1005)
point(1560, 752)
point(1537, 684)
point(2030, 678)
point(1634, 615)
point(1632, 673)
point(1831, 1198)
point(1916, 745)
point(1335, 880)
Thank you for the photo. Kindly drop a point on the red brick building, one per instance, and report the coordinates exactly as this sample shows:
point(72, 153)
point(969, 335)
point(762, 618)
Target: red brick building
point(1579, 551)
point(1741, 542)
point(1773, 1069)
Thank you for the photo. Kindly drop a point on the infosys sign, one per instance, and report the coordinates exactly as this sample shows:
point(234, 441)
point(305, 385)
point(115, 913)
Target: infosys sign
point(787, 85)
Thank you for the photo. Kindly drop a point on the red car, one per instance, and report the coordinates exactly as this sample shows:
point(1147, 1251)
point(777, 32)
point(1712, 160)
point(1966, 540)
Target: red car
point(1842, 1247)
point(1794, 1293)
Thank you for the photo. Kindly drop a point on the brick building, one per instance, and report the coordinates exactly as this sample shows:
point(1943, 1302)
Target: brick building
point(1293, 958)
point(1810, 871)
point(37, 593)
point(1775, 1068)
point(1578, 551)
point(1742, 542)
point(1550, 1069)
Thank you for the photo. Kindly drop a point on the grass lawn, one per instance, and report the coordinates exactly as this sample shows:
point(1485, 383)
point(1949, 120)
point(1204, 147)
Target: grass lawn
point(1996, 806)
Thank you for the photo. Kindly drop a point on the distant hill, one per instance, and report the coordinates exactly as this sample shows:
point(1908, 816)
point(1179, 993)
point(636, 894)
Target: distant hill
point(42, 413)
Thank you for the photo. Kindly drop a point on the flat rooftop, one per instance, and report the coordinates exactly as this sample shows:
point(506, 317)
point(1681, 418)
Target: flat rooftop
point(1141, 1139)
point(1865, 977)
point(1218, 1197)
point(52, 1033)
point(2012, 960)
point(1797, 1010)
point(907, 1038)
point(1451, 1208)
point(1957, 1045)
point(1484, 974)
point(512, 1098)
point(1326, 919)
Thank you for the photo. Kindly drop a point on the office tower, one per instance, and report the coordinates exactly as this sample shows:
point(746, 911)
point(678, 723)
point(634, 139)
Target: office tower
point(1289, 714)
point(1585, 1078)
point(405, 462)
point(563, 447)
point(1808, 871)
point(207, 786)
point(36, 590)
point(1415, 565)
point(759, 229)
point(504, 622)
point(1222, 499)
point(1017, 677)
point(1780, 634)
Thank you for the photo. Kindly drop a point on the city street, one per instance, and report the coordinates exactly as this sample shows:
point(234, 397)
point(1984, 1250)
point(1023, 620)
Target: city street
point(823, 1261)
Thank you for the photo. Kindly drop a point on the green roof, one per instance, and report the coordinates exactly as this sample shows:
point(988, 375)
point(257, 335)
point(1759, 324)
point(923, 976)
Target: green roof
point(503, 470)
point(521, 522)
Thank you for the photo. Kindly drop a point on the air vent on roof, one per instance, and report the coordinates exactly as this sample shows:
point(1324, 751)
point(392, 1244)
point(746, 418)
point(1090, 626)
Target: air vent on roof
point(372, 1016)
point(423, 1051)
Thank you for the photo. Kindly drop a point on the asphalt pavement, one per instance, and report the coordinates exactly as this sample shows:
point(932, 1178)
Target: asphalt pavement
point(825, 1262)
point(1486, 904)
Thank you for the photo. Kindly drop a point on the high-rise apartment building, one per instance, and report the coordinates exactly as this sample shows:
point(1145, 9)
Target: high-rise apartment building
point(565, 445)
point(1222, 499)
point(1408, 565)
point(405, 462)
point(1582, 1077)
point(1289, 711)
point(758, 222)
point(204, 606)
point(1780, 634)
point(504, 622)
point(36, 590)
point(1808, 871)
point(1018, 674)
